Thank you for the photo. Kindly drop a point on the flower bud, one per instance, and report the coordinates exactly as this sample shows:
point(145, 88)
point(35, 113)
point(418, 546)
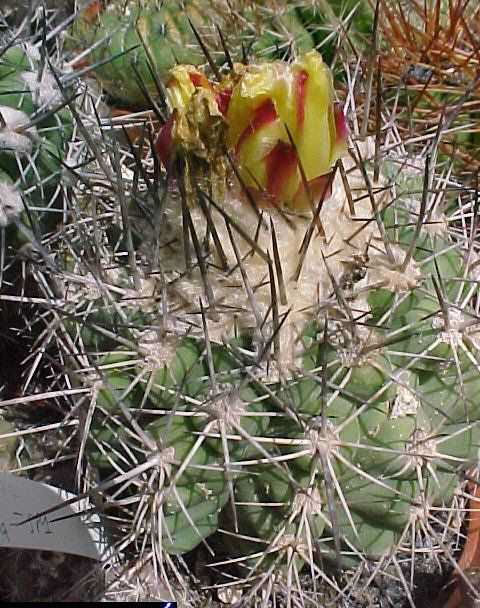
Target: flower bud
point(267, 100)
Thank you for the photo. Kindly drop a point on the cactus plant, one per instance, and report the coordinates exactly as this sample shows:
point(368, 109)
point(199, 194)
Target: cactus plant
point(433, 72)
point(284, 384)
point(35, 130)
point(338, 424)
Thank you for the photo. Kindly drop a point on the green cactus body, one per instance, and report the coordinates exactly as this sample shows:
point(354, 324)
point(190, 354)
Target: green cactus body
point(194, 502)
point(386, 412)
point(193, 498)
point(189, 506)
point(125, 35)
point(186, 531)
point(278, 519)
point(185, 374)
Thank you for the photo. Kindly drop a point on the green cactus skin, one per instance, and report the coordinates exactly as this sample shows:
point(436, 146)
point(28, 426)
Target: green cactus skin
point(382, 442)
point(142, 40)
point(339, 457)
point(192, 505)
point(193, 502)
point(124, 45)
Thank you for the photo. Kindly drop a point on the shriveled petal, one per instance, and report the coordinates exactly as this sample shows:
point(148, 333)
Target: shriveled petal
point(181, 87)
point(164, 140)
point(192, 101)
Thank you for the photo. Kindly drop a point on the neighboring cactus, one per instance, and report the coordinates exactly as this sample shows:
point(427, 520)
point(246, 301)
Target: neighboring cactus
point(34, 133)
point(133, 45)
point(429, 58)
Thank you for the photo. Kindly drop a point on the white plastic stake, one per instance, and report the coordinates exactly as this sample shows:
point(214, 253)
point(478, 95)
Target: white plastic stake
point(63, 530)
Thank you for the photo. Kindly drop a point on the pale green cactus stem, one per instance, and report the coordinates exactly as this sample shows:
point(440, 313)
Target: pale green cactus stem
point(196, 473)
point(412, 401)
point(363, 423)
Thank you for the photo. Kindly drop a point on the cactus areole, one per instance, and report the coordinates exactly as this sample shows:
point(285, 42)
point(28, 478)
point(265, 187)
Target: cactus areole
point(278, 121)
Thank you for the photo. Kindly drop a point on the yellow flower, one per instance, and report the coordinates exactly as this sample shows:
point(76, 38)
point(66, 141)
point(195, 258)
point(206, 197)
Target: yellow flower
point(269, 97)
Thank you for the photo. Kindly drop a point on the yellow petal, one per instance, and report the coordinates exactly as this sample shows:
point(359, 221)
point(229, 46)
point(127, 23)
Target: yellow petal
point(315, 140)
point(269, 97)
point(180, 88)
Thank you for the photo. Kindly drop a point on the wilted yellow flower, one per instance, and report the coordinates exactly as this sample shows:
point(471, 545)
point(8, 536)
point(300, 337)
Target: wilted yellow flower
point(266, 98)
point(194, 113)
point(195, 130)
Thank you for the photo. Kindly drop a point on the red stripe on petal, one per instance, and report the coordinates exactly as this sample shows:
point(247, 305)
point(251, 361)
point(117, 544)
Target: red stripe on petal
point(263, 115)
point(223, 100)
point(319, 188)
point(164, 140)
point(196, 79)
point(341, 126)
point(301, 96)
point(280, 163)
point(199, 80)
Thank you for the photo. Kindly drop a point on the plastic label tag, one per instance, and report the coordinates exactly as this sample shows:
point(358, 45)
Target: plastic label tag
point(62, 530)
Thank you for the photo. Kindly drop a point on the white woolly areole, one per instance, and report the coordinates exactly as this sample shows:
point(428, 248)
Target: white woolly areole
point(421, 450)
point(303, 296)
point(157, 349)
point(406, 402)
point(457, 328)
point(310, 501)
point(10, 139)
point(228, 408)
point(11, 204)
point(44, 90)
point(388, 272)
